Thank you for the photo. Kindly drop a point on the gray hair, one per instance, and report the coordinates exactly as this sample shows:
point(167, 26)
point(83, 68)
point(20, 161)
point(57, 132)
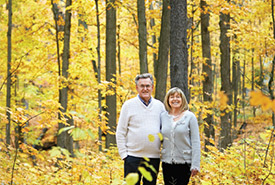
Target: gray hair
point(144, 76)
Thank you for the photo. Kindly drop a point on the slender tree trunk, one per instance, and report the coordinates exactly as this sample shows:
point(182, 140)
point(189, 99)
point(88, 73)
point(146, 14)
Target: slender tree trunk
point(8, 95)
point(225, 135)
point(178, 46)
point(252, 78)
point(98, 76)
point(161, 66)
point(192, 64)
point(261, 73)
point(235, 86)
point(111, 70)
point(64, 139)
point(207, 69)
point(154, 40)
point(142, 36)
point(271, 79)
point(118, 50)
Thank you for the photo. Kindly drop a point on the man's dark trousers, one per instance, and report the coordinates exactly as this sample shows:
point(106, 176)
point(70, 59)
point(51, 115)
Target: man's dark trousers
point(132, 163)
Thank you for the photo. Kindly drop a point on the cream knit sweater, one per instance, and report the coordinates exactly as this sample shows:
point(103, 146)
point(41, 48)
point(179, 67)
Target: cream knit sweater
point(137, 123)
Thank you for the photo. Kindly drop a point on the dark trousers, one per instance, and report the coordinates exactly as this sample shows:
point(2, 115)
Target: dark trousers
point(176, 174)
point(132, 163)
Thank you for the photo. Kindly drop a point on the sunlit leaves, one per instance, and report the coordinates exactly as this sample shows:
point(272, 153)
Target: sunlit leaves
point(223, 100)
point(146, 174)
point(132, 178)
point(160, 136)
point(257, 98)
point(151, 138)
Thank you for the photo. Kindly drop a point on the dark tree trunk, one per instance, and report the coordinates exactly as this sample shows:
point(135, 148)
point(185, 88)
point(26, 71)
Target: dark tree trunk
point(98, 76)
point(178, 46)
point(271, 79)
point(118, 50)
point(8, 95)
point(111, 70)
point(252, 79)
point(162, 63)
point(225, 135)
point(154, 40)
point(235, 86)
point(207, 69)
point(142, 37)
point(192, 64)
point(64, 140)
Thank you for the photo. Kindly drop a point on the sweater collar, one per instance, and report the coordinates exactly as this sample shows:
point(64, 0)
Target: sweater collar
point(144, 101)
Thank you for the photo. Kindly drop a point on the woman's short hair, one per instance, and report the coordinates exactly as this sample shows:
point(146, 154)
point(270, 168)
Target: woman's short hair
point(144, 76)
point(172, 91)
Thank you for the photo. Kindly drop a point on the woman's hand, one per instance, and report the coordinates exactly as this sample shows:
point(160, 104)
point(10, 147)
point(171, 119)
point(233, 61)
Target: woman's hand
point(194, 172)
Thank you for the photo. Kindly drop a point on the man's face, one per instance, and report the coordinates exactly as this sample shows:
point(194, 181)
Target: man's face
point(144, 88)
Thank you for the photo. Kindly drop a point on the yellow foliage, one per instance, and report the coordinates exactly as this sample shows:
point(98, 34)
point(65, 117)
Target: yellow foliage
point(223, 100)
point(132, 178)
point(151, 138)
point(257, 98)
point(146, 174)
point(160, 136)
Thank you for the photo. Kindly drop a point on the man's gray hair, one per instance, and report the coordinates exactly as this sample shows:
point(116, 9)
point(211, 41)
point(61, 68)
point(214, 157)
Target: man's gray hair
point(144, 76)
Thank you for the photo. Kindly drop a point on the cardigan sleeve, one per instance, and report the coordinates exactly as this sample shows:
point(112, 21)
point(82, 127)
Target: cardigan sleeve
point(195, 140)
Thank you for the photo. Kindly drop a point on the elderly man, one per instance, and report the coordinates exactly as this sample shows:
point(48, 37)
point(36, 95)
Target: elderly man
point(139, 120)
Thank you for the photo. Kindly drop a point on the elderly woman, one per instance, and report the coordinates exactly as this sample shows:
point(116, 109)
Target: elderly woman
point(180, 153)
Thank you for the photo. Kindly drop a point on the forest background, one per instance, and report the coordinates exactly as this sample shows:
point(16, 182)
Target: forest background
point(68, 66)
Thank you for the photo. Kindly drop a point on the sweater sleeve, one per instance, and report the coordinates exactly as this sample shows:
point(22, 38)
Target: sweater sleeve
point(121, 132)
point(195, 140)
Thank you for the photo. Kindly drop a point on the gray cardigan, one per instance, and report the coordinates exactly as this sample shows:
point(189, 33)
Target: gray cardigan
point(181, 143)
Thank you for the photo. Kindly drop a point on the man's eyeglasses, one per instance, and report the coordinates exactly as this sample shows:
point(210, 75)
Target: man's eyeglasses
point(145, 86)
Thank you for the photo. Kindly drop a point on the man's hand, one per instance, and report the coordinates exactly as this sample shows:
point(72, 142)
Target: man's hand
point(194, 172)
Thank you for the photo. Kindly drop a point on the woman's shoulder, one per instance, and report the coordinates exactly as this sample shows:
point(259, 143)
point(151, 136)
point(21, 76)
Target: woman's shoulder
point(164, 114)
point(189, 113)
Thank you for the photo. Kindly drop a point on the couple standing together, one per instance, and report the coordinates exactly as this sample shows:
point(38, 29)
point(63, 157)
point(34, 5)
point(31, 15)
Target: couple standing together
point(145, 116)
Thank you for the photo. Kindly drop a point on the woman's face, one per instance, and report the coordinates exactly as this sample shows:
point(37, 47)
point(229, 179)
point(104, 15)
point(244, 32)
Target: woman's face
point(175, 101)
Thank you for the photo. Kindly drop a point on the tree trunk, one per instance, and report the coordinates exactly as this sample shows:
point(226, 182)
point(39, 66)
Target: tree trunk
point(261, 73)
point(64, 139)
point(98, 76)
point(252, 79)
point(154, 40)
point(8, 95)
point(271, 79)
point(192, 64)
point(225, 135)
point(207, 69)
point(118, 50)
point(178, 46)
point(142, 36)
point(111, 70)
point(235, 86)
point(162, 63)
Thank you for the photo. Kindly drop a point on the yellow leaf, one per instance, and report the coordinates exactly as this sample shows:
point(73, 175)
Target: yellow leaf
point(146, 159)
point(161, 136)
point(266, 104)
point(151, 138)
point(147, 175)
point(131, 178)
point(256, 98)
point(223, 100)
point(273, 106)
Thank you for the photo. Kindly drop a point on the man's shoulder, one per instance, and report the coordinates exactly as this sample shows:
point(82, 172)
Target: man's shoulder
point(130, 101)
point(157, 101)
